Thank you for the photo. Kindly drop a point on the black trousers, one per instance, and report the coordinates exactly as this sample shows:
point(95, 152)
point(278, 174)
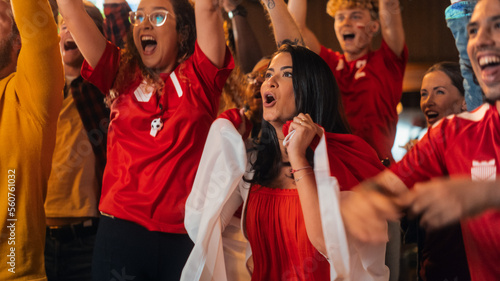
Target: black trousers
point(127, 251)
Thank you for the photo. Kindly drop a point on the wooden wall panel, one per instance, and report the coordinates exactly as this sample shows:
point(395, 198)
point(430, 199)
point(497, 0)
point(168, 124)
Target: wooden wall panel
point(428, 38)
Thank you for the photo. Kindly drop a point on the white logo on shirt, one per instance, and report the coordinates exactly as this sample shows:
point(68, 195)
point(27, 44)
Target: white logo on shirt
point(483, 170)
point(144, 92)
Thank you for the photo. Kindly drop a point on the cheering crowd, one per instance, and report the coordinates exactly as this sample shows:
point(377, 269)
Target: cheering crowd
point(159, 144)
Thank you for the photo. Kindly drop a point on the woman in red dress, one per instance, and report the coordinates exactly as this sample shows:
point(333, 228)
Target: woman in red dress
point(284, 215)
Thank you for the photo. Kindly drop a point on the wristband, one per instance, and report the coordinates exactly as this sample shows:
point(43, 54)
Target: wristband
point(238, 11)
point(297, 180)
point(292, 171)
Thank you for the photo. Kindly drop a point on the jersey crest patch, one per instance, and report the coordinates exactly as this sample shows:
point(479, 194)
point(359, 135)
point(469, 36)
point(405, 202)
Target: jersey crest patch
point(144, 92)
point(483, 170)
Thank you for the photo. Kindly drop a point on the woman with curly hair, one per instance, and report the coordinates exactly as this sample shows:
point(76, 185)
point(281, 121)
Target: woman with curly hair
point(164, 92)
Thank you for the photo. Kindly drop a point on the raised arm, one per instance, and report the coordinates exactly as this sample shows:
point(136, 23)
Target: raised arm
point(87, 36)
point(443, 201)
point(391, 25)
point(248, 53)
point(298, 10)
point(209, 30)
point(39, 79)
point(305, 179)
point(284, 26)
point(366, 210)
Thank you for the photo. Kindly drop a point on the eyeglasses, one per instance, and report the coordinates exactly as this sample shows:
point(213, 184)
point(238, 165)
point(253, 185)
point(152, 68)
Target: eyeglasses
point(156, 18)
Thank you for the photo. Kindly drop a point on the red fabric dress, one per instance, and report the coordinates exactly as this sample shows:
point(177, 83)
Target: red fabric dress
point(275, 224)
point(277, 234)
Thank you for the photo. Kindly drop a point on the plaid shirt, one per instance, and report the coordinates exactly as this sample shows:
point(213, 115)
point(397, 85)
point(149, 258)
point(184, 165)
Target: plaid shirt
point(88, 98)
point(117, 24)
point(90, 104)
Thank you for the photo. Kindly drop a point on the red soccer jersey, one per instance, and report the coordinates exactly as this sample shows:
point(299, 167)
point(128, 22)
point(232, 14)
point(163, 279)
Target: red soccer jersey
point(371, 88)
point(148, 178)
point(467, 144)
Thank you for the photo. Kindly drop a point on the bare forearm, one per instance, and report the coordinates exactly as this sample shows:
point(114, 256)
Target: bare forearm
point(209, 30)
point(442, 201)
point(87, 36)
point(284, 26)
point(392, 25)
point(309, 201)
point(365, 211)
point(247, 49)
point(492, 191)
point(298, 10)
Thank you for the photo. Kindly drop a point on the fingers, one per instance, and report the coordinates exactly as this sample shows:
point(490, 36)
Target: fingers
point(437, 217)
point(361, 218)
point(245, 127)
point(436, 203)
point(242, 127)
point(301, 120)
point(305, 129)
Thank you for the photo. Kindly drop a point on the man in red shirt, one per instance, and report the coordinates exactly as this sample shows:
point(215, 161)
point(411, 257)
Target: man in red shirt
point(464, 147)
point(370, 81)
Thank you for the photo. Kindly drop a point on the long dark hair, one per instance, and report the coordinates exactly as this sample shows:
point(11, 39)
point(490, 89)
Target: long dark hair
point(316, 93)
point(131, 60)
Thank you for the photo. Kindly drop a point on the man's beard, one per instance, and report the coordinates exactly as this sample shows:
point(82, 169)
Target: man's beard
point(6, 46)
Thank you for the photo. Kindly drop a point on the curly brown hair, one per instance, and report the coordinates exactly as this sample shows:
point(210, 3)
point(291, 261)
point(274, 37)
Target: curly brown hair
point(131, 66)
point(371, 5)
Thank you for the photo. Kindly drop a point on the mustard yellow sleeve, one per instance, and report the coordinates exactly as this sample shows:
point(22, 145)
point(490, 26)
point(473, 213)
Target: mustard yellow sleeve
point(40, 78)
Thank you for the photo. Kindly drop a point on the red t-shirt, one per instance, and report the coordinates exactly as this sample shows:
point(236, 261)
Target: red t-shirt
point(148, 178)
point(371, 88)
point(467, 145)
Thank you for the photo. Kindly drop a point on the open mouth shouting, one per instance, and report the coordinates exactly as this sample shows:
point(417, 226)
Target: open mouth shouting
point(488, 64)
point(148, 44)
point(348, 36)
point(70, 45)
point(432, 116)
point(488, 61)
point(269, 99)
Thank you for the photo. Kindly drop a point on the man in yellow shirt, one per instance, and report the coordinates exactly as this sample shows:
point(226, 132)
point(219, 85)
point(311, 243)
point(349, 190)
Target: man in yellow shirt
point(31, 84)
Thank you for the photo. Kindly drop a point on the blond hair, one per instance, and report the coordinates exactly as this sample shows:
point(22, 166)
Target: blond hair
point(333, 6)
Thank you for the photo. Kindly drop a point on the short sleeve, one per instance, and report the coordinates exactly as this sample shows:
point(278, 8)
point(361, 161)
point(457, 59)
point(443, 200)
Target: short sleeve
point(396, 63)
point(425, 160)
point(213, 77)
point(330, 57)
point(104, 74)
